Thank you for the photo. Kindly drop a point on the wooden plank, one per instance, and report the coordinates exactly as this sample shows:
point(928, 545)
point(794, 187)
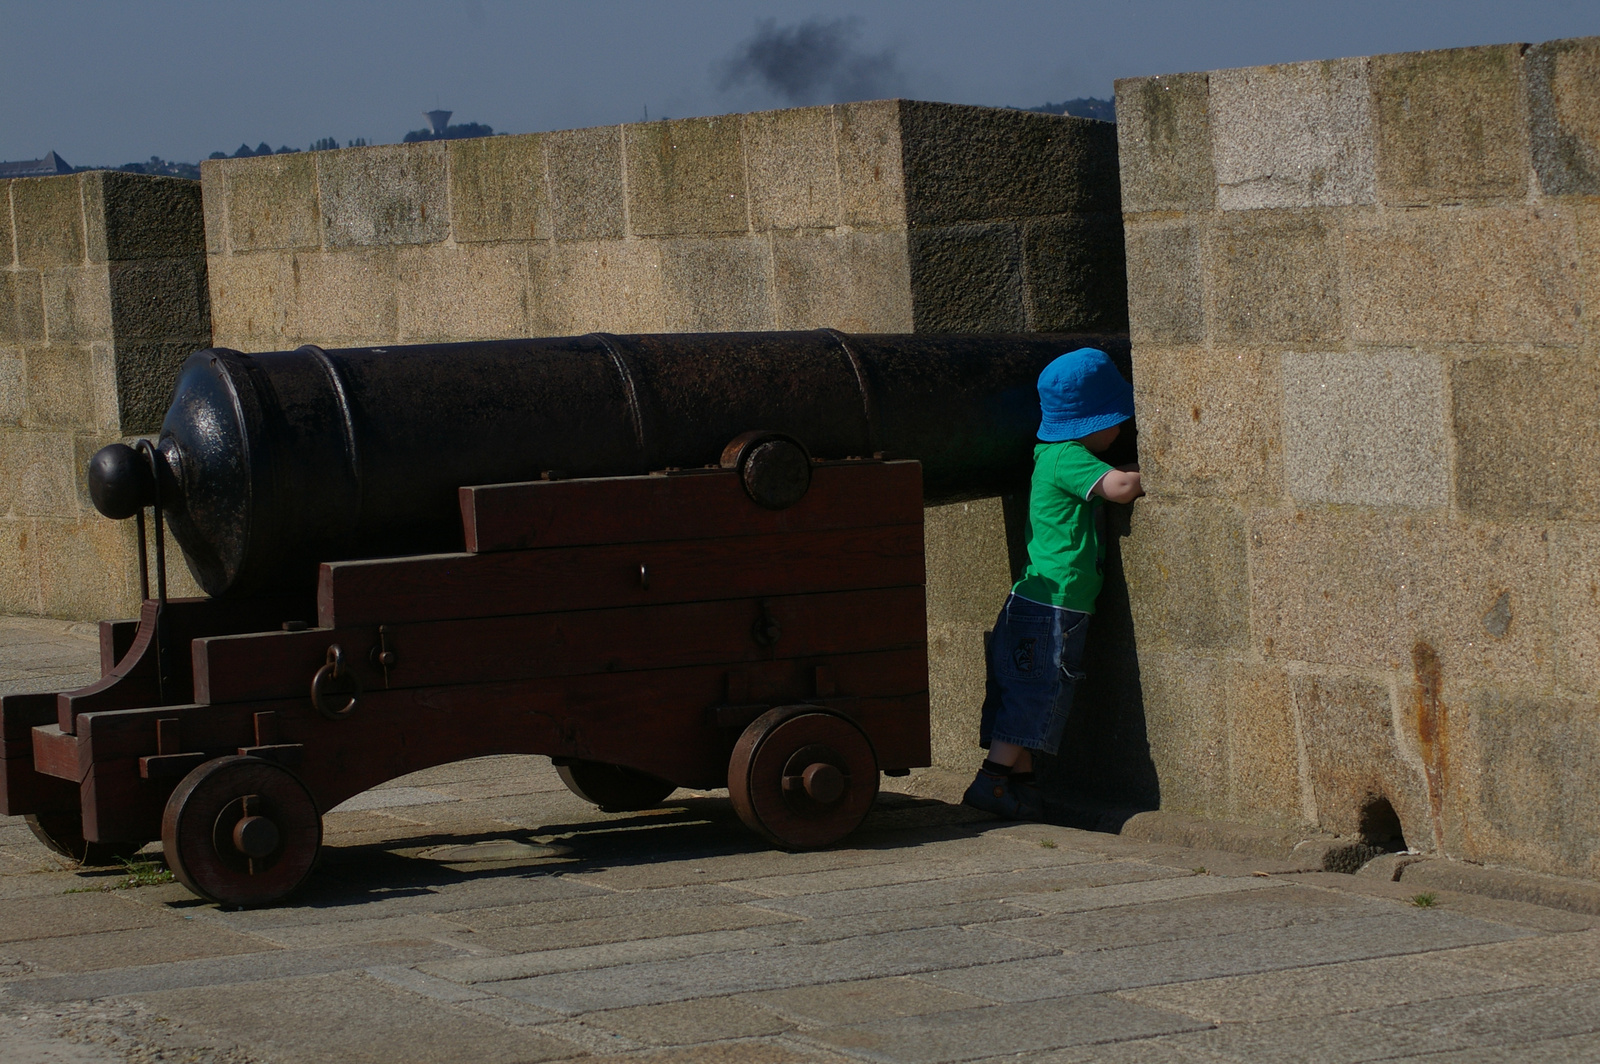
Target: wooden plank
point(19, 715)
point(24, 790)
point(58, 753)
point(567, 513)
point(504, 583)
point(273, 665)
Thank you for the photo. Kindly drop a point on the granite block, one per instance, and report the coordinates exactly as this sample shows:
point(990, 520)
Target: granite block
point(965, 165)
point(214, 205)
point(146, 374)
point(1564, 115)
point(607, 286)
point(716, 284)
point(77, 303)
point(13, 388)
point(1275, 278)
point(146, 216)
point(21, 306)
point(269, 203)
point(584, 169)
point(1366, 427)
point(1501, 407)
point(853, 280)
point(48, 216)
point(968, 562)
point(1376, 590)
point(956, 678)
point(1471, 275)
point(686, 177)
point(871, 171)
point(967, 279)
point(1075, 275)
point(1185, 567)
point(1450, 124)
point(1356, 755)
point(60, 387)
point(19, 557)
point(498, 189)
point(792, 168)
point(464, 292)
point(1294, 135)
point(1575, 561)
point(251, 300)
point(89, 569)
point(383, 196)
point(1210, 423)
point(1166, 289)
point(343, 297)
point(1499, 1018)
point(1164, 143)
point(160, 299)
point(8, 236)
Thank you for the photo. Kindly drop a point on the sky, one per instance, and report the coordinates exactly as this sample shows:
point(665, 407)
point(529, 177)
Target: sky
point(105, 83)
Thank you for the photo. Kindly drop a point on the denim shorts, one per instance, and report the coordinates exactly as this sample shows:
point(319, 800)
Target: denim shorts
point(1035, 654)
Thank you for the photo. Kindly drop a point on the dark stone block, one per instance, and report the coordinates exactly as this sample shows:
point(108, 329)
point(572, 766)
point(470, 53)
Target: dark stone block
point(160, 299)
point(967, 279)
point(1076, 274)
point(151, 217)
point(147, 370)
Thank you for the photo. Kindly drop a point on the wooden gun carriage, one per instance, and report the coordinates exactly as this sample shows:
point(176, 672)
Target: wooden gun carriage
point(686, 563)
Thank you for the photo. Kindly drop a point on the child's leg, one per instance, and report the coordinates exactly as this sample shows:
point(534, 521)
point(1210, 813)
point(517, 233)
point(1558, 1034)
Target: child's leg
point(1017, 758)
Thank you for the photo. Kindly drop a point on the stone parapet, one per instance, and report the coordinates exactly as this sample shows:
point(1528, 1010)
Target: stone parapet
point(102, 295)
point(1362, 300)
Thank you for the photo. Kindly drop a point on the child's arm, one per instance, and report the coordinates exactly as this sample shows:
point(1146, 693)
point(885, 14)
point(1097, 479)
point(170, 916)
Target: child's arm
point(1119, 485)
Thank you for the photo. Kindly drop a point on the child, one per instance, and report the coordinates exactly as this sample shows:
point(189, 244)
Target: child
point(1037, 645)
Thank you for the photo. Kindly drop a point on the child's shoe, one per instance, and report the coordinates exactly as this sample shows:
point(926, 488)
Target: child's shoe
point(994, 793)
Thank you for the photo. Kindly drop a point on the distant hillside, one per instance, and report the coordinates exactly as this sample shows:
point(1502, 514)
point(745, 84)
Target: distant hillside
point(1083, 107)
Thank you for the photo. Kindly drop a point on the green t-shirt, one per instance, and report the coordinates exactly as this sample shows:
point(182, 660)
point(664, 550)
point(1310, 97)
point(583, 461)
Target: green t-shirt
point(1064, 551)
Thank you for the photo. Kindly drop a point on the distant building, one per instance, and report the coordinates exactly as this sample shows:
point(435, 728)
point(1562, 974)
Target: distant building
point(49, 166)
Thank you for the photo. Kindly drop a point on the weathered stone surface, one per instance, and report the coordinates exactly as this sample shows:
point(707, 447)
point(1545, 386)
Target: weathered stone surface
point(584, 167)
point(47, 213)
point(1575, 562)
point(77, 303)
point(271, 203)
point(1185, 564)
point(687, 1022)
point(968, 564)
point(88, 565)
point(383, 196)
point(686, 177)
point(967, 279)
point(497, 188)
point(13, 388)
point(1210, 423)
point(41, 478)
point(19, 559)
point(1275, 278)
point(146, 373)
point(1366, 428)
point(871, 175)
point(1296, 135)
point(975, 164)
point(792, 168)
point(1366, 589)
point(8, 241)
point(1450, 124)
point(841, 279)
point(146, 217)
point(21, 306)
point(1527, 434)
point(1166, 291)
point(1473, 275)
point(250, 299)
point(160, 299)
point(716, 284)
point(60, 387)
point(1164, 143)
point(214, 205)
point(868, 999)
point(343, 297)
point(1564, 115)
point(611, 285)
point(466, 292)
point(1355, 756)
point(955, 693)
point(1076, 278)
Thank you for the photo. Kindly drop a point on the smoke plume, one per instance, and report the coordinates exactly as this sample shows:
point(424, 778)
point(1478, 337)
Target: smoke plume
point(813, 62)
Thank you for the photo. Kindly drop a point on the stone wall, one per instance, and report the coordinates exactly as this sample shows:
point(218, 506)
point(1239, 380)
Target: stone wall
point(1363, 298)
point(102, 294)
point(890, 216)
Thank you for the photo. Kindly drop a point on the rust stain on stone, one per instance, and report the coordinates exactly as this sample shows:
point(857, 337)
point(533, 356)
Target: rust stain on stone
point(1432, 731)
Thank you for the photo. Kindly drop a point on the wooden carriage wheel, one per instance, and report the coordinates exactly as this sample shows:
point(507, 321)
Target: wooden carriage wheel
point(62, 832)
point(614, 788)
point(241, 831)
point(803, 776)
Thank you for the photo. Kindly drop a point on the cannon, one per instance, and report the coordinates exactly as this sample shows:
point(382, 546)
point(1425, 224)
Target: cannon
point(662, 561)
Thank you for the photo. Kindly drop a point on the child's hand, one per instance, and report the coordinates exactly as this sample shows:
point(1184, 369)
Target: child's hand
point(1119, 485)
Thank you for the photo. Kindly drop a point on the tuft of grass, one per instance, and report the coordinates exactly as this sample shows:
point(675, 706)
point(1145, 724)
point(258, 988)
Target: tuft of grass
point(1200, 870)
point(1425, 901)
point(137, 873)
point(1048, 844)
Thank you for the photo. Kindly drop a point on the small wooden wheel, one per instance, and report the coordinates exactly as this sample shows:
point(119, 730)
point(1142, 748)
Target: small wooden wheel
point(803, 776)
point(63, 833)
point(614, 788)
point(241, 831)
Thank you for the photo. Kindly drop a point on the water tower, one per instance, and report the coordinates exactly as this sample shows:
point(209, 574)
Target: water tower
point(438, 121)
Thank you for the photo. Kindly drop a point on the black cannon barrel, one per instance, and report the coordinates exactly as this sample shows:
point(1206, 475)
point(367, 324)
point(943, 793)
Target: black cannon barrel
point(270, 463)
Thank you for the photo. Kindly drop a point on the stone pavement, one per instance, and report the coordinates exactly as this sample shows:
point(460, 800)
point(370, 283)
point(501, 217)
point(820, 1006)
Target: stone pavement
point(479, 912)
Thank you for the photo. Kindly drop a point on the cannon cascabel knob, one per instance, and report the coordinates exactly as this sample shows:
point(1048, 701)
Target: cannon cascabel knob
point(121, 482)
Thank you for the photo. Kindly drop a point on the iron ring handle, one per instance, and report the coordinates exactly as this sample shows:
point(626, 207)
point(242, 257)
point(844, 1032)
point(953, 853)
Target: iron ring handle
point(334, 670)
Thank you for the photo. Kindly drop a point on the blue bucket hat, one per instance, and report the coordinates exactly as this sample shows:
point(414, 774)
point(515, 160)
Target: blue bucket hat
point(1081, 393)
